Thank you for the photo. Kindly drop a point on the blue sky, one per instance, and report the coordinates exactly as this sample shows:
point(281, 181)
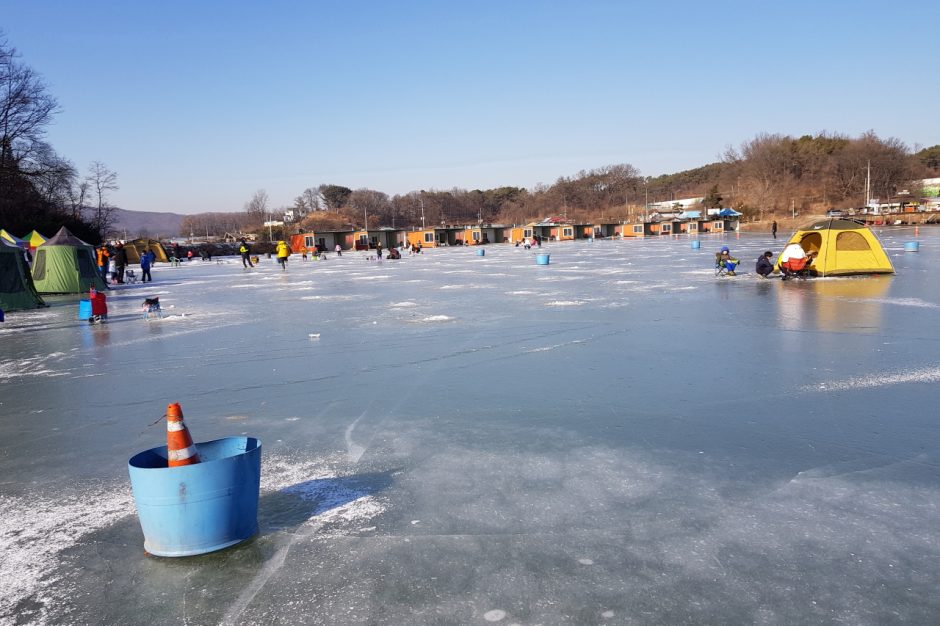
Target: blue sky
point(196, 105)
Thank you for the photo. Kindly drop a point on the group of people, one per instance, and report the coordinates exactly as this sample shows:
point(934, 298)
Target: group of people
point(794, 261)
point(529, 243)
point(113, 262)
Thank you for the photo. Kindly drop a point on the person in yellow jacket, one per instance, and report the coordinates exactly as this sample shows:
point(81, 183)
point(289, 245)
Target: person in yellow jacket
point(283, 251)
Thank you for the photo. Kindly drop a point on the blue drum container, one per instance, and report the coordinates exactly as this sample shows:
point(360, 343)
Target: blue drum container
point(481, 252)
point(194, 509)
point(542, 259)
point(84, 309)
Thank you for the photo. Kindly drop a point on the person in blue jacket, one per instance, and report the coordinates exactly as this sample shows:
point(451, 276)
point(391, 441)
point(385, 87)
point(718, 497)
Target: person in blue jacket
point(146, 260)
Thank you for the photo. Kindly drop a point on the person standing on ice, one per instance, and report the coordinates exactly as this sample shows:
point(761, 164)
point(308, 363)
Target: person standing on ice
point(282, 253)
point(245, 251)
point(120, 262)
point(145, 262)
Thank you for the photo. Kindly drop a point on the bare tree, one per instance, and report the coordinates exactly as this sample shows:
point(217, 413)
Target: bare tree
point(257, 207)
point(101, 181)
point(307, 202)
point(25, 109)
point(368, 201)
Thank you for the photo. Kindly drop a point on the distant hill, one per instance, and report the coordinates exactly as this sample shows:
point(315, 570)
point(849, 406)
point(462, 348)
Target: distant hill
point(147, 224)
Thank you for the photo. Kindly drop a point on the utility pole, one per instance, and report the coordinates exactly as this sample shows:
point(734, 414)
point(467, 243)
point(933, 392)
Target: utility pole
point(421, 200)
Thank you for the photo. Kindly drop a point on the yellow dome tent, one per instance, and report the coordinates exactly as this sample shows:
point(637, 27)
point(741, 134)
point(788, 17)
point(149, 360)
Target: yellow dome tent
point(842, 247)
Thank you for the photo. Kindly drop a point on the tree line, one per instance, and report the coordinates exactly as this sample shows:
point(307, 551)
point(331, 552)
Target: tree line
point(767, 176)
point(39, 188)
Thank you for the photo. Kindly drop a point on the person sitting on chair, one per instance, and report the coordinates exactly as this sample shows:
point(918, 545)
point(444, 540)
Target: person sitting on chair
point(765, 266)
point(794, 260)
point(725, 262)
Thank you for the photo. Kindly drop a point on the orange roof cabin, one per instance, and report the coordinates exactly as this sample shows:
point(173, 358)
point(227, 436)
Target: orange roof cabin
point(424, 238)
point(518, 233)
point(303, 240)
point(360, 240)
point(637, 229)
point(473, 236)
point(554, 229)
point(719, 225)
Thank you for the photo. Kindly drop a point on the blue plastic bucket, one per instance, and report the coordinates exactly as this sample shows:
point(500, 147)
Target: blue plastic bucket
point(481, 252)
point(198, 508)
point(696, 244)
point(912, 246)
point(541, 259)
point(84, 309)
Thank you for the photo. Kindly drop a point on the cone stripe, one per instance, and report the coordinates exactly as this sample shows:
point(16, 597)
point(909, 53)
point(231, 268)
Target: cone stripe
point(181, 455)
point(180, 449)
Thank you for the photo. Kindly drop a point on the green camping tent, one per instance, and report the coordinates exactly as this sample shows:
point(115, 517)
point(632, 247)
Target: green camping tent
point(16, 286)
point(66, 264)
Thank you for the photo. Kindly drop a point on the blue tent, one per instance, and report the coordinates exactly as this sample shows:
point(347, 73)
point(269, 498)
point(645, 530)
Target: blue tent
point(729, 213)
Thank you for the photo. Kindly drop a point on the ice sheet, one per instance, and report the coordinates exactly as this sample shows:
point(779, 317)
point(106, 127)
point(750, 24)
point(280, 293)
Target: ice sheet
point(617, 437)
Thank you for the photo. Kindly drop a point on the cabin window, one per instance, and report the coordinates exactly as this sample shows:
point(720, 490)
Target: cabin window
point(567, 232)
point(364, 239)
point(719, 225)
point(309, 242)
point(638, 229)
point(527, 232)
point(693, 227)
point(475, 235)
point(666, 228)
point(428, 237)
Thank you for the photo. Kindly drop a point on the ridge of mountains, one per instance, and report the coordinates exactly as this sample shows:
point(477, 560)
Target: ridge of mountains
point(146, 224)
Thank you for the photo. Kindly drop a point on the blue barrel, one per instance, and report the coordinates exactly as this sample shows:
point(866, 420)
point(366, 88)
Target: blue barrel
point(198, 508)
point(84, 309)
point(541, 259)
point(481, 252)
point(696, 244)
point(912, 246)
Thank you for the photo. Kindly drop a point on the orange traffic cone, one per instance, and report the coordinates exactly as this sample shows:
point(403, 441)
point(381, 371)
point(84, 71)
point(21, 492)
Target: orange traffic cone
point(180, 449)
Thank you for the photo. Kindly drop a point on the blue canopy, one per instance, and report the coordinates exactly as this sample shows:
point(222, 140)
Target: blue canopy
point(729, 213)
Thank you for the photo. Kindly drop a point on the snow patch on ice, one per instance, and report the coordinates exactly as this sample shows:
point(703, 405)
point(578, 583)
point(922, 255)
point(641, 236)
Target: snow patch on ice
point(914, 302)
point(435, 318)
point(565, 303)
point(926, 375)
point(331, 297)
point(35, 528)
point(39, 365)
point(402, 305)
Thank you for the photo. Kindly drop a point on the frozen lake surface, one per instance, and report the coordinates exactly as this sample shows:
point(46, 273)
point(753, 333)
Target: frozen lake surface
point(618, 437)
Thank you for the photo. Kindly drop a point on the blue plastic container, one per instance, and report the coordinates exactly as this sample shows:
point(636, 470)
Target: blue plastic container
point(84, 309)
point(541, 259)
point(481, 252)
point(912, 246)
point(696, 244)
point(198, 508)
